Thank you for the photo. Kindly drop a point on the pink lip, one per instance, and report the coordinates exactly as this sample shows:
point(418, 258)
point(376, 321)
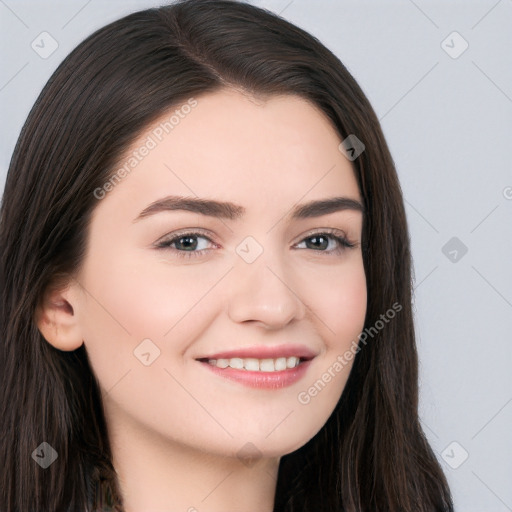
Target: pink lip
point(262, 380)
point(265, 352)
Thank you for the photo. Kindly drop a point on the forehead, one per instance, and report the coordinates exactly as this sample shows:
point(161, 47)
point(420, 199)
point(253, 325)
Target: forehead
point(228, 143)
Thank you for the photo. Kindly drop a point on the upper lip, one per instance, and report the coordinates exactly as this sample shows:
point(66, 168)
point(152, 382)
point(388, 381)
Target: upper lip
point(265, 352)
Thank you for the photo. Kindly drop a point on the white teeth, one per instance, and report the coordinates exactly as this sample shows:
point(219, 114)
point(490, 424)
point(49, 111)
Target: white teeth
point(291, 362)
point(262, 365)
point(280, 364)
point(267, 365)
point(252, 364)
point(237, 363)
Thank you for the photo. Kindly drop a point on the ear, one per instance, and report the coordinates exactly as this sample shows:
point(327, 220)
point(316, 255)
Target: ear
point(57, 320)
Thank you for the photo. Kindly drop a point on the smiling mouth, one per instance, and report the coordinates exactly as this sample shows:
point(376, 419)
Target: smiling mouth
point(256, 365)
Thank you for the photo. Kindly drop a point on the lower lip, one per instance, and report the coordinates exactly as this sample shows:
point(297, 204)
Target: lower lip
point(262, 380)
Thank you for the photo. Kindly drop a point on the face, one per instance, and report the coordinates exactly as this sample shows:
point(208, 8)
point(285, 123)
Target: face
point(165, 289)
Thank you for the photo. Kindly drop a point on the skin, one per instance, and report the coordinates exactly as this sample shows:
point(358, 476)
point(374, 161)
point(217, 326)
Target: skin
point(175, 427)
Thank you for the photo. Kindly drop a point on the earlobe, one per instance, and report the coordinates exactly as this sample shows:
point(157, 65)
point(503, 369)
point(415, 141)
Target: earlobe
point(57, 320)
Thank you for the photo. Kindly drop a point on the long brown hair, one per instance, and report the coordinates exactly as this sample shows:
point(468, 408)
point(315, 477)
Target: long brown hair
point(371, 455)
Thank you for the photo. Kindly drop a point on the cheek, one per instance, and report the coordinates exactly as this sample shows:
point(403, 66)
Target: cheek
point(136, 300)
point(143, 296)
point(339, 300)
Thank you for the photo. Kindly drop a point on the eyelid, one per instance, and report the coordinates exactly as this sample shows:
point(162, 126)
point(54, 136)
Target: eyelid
point(327, 231)
point(182, 232)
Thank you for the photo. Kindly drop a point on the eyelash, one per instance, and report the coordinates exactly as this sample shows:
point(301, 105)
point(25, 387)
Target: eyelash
point(333, 234)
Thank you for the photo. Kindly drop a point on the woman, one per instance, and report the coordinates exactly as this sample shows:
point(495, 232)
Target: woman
point(275, 367)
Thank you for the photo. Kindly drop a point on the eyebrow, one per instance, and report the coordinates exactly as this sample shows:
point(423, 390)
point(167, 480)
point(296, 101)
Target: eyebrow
point(231, 211)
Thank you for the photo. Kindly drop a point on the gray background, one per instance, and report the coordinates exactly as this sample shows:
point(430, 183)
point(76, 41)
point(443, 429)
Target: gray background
point(448, 122)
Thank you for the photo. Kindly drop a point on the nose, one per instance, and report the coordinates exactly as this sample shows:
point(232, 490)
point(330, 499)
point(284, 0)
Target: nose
point(264, 292)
